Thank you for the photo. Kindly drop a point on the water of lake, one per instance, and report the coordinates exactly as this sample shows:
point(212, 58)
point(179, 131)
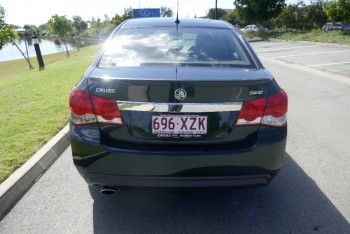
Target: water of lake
point(47, 46)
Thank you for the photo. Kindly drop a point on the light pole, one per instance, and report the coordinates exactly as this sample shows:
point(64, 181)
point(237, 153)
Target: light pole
point(216, 9)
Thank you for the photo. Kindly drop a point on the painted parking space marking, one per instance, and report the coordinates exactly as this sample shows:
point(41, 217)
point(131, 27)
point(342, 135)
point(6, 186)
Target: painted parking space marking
point(288, 48)
point(328, 64)
point(269, 45)
point(333, 59)
point(324, 52)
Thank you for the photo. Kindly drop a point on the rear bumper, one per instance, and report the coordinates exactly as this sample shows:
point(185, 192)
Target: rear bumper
point(176, 182)
point(219, 167)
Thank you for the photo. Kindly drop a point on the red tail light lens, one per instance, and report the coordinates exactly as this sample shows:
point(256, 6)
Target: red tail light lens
point(251, 112)
point(106, 110)
point(80, 108)
point(271, 111)
point(84, 110)
point(276, 110)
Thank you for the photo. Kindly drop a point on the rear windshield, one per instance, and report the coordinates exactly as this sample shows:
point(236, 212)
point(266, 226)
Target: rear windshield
point(134, 47)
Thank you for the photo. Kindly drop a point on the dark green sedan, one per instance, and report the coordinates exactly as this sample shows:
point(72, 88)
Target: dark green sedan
point(177, 104)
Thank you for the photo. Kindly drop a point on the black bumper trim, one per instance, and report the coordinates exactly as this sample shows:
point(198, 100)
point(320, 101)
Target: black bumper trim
point(176, 182)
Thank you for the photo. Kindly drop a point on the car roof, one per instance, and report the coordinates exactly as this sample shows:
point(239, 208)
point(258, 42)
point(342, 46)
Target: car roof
point(169, 22)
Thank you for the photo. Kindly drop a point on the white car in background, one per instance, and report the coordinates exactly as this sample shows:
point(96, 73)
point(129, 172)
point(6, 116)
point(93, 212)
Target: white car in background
point(252, 27)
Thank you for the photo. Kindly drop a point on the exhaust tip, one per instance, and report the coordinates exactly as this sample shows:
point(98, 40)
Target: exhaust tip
point(108, 190)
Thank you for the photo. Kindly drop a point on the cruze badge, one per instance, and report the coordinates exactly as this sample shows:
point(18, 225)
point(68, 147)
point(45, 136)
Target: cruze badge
point(257, 92)
point(180, 94)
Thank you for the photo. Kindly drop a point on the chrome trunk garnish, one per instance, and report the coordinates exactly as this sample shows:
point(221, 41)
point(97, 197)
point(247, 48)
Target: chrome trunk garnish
point(179, 107)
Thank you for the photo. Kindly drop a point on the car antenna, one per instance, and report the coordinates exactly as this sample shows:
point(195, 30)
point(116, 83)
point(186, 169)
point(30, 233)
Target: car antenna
point(177, 21)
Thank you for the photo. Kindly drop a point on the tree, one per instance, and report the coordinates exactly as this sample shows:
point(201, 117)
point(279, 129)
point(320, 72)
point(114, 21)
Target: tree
point(44, 28)
point(99, 28)
point(107, 26)
point(61, 26)
point(288, 17)
point(116, 20)
point(338, 11)
point(79, 24)
point(220, 13)
point(166, 12)
point(258, 12)
point(127, 14)
point(31, 30)
point(301, 16)
point(96, 27)
point(7, 34)
point(313, 15)
point(231, 18)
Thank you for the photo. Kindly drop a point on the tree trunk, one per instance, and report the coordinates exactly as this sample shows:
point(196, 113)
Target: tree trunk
point(27, 59)
point(65, 43)
point(25, 42)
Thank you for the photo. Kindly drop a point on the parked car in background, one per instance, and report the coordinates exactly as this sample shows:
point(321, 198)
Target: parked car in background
point(328, 27)
point(338, 26)
point(252, 27)
point(346, 27)
point(177, 104)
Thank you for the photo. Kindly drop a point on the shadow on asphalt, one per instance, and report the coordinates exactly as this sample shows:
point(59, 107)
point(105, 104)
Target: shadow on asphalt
point(292, 203)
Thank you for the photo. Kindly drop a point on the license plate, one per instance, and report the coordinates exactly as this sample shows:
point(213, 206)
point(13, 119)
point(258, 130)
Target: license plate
point(179, 124)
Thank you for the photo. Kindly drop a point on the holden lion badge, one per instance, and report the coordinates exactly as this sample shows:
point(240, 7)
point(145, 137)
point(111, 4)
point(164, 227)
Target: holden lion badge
point(180, 94)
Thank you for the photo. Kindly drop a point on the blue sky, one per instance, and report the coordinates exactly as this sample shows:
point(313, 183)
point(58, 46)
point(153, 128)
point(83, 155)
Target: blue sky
point(20, 12)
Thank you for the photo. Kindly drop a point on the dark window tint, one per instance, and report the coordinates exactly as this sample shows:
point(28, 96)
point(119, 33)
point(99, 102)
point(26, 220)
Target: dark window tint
point(168, 46)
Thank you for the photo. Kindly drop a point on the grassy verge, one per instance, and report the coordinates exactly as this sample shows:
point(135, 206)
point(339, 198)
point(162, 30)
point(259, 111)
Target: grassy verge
point(20, 65)
point(34, 105)
point(336, 37)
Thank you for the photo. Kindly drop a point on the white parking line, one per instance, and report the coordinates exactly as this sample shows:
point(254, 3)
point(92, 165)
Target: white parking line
point(327, 64)
point(282, 49)
point(325, 52)
point(324, 74)
point(268, 44)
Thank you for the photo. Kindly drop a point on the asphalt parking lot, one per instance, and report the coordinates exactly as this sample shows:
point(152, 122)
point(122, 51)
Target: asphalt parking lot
point(331, 58)
point(310, 194)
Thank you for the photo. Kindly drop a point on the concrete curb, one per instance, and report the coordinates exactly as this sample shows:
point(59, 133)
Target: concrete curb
point(14, 187)
point(255, 39)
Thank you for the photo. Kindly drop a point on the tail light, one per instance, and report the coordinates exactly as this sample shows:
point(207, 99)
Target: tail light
point(270, 111)
point(86, 109)
point(276, 110)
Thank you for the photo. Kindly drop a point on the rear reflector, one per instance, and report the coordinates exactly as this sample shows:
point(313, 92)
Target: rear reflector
point(270, 111)
point(85, 110)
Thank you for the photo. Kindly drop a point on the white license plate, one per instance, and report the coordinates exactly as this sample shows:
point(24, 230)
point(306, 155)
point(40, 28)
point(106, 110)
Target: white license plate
point(179, 124)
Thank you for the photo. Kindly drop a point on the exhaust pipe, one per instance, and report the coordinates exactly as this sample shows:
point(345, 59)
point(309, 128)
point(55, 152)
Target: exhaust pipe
point(108, 190)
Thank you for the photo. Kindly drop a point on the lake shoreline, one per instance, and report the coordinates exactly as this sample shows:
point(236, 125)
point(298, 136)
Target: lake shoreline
point(12, 67)
point(48, 45)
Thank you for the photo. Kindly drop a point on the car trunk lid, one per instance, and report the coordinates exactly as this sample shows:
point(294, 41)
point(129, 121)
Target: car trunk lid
point(152, 114)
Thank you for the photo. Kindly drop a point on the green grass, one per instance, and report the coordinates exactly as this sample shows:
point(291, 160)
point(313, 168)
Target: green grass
point(16, 66)
point(336, 37)
point(261, 33)
point(34, 106)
